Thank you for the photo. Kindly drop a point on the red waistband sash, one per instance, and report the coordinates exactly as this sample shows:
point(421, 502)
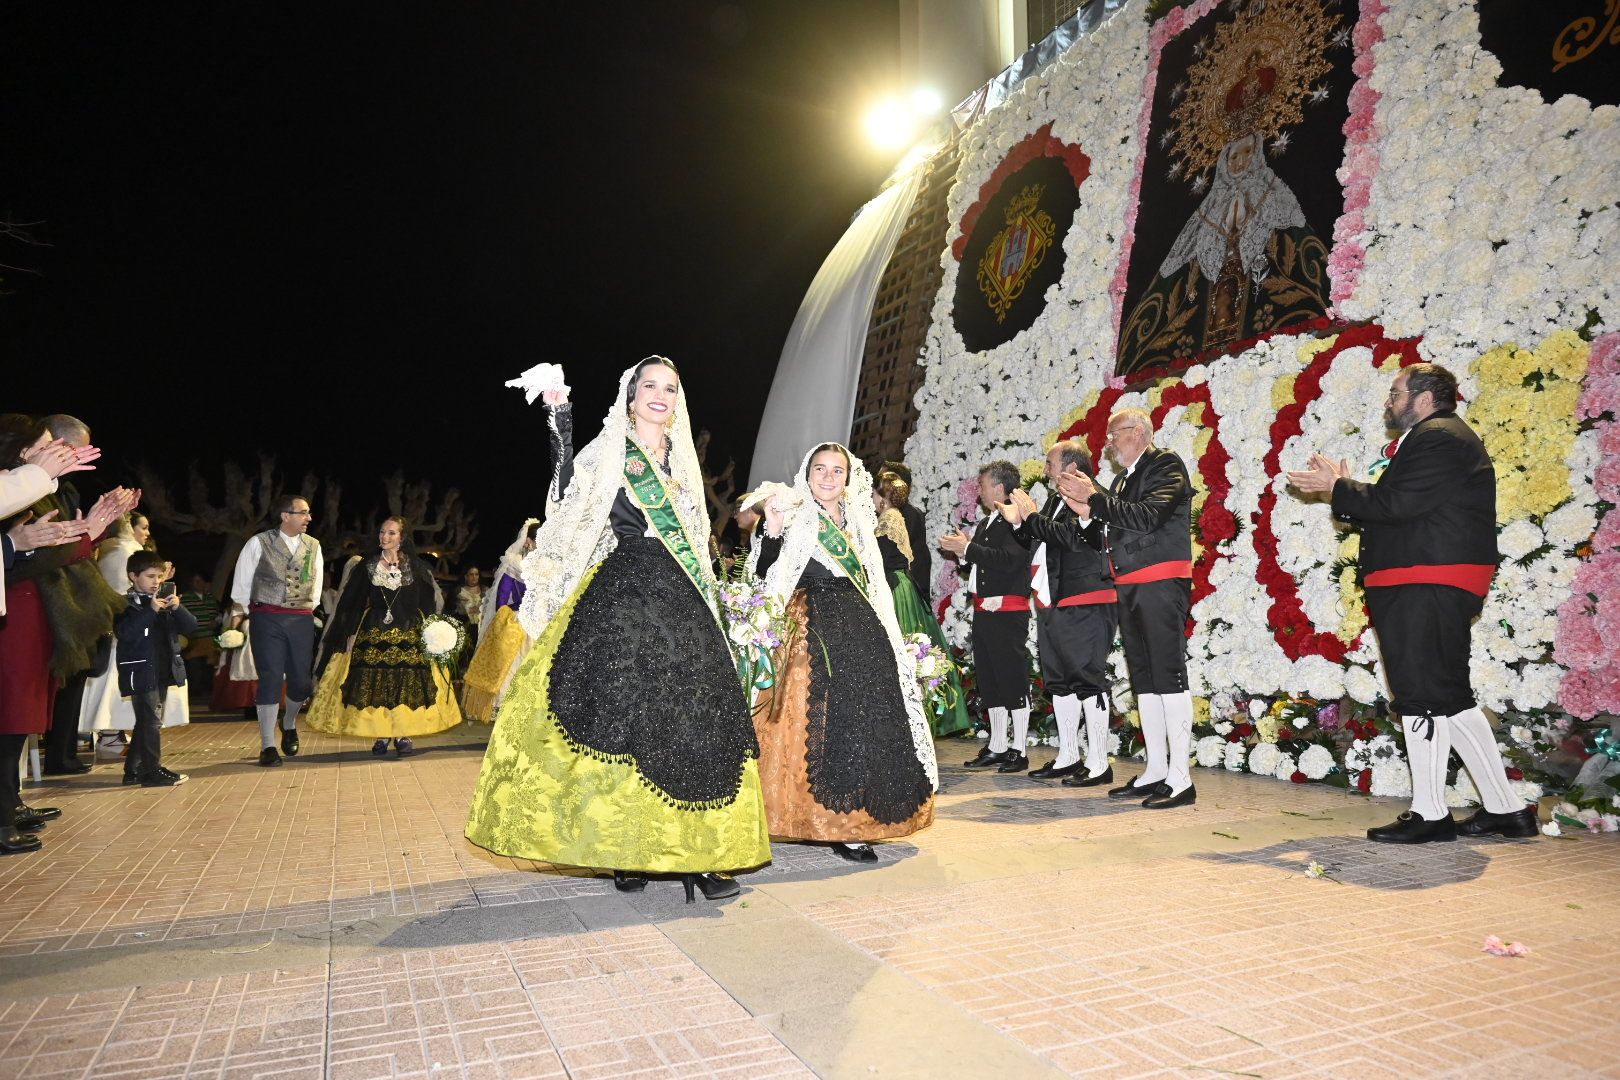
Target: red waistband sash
point(272, 609)
point(1000, 603)
point(1159, 571)
point(1470, 577)
point(1099, 596)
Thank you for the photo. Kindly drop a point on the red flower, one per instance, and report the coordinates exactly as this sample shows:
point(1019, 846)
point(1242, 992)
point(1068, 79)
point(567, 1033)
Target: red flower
point(1300, 778)
point(1243, 730)
point(1364, 781)
point(1285, 733)
point(1515, 774)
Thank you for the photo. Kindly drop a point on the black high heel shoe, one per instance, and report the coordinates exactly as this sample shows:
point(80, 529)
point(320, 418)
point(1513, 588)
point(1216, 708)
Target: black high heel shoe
point(629, 882)
point(714, 886)
point(855, 852)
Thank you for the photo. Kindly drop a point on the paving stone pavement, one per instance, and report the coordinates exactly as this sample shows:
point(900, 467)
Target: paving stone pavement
point(327, 919)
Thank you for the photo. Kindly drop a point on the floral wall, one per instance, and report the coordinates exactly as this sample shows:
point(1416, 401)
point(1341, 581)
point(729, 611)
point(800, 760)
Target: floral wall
point(1479, 231)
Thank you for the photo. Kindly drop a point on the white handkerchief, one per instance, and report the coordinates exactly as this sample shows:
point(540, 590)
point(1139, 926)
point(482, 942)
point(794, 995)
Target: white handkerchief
point(538, 379)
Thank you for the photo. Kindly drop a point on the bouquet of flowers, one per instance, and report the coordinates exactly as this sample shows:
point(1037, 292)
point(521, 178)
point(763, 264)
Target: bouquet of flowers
point(934, 666)
point(443, 638)
point(756, 626)
point(230, 639)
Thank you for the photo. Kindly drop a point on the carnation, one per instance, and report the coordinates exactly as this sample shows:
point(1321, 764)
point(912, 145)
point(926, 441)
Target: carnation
point(1235, 753)
point(1316, 761)
point(1392, 778)
point(439, 637)
point(1264, 757)
point(1284, 769)
point(1211, 751)
point(231, 639)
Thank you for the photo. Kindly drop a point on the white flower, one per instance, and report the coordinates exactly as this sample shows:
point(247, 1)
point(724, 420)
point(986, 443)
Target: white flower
point(1211, 751)
point(1315, 761)
point(1392, 778)
point(1257, 707)
point(1284, 769)
point(231, 639)
point(1552, 829)
point(1521, 735)
point(1519, 539)
point(439, 637)
point(1263, 758)
point(1234, 756)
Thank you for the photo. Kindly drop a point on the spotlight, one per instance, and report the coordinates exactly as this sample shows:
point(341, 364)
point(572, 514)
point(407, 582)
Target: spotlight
point(889, 124)
point(926, 102)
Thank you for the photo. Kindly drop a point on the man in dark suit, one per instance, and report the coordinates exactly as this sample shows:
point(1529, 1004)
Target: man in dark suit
point(1074, 617)
point(1428, 553)
point(998, 580)
point(922, 562)
point(1148, 512)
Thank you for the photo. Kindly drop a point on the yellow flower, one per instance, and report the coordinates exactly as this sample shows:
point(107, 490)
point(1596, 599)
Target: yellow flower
point(1200, 710)
point(1282, 392)
point(1308, 349)
point(1032, 470)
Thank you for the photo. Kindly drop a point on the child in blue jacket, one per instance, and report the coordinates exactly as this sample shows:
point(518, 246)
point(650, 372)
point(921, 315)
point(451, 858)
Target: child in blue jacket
point(149, 662)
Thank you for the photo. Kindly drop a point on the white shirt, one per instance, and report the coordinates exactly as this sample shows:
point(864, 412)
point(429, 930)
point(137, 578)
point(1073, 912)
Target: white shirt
point(248, 562)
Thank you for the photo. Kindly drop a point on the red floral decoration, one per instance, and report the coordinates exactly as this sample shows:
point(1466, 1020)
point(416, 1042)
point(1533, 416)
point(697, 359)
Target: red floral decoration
point(1292, 628)
point(1038, 145)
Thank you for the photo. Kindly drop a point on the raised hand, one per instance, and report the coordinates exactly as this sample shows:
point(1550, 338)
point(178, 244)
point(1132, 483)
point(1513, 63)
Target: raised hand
point(109, 508)
point(1319, 475)
point(954, 543)
point(1075, 486)
point(554, 398)
point(58, 458)
point(27, 534)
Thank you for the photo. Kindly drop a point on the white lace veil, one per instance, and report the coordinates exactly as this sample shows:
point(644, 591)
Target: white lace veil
point(511, 566)
point(576, 534)
point(800, 545)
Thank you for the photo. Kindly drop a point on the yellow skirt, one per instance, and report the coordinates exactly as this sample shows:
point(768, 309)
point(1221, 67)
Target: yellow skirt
point(539, 799)
point(328, 713)
point(492, 665)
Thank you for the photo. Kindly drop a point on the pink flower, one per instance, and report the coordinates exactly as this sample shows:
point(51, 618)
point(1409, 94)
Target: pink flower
point(1497, 947)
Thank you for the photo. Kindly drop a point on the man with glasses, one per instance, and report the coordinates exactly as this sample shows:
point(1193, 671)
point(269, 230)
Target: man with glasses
point(278, 583)
point(1428, 553)
point(1148, 514)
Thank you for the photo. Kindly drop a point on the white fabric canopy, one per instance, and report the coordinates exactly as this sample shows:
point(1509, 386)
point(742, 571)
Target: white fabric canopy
point(812, 398)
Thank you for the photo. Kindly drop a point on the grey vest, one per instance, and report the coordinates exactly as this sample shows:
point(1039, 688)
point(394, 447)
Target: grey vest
point(284, 578)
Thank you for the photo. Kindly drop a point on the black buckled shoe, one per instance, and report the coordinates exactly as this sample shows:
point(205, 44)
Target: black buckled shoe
point(289, 741)
point(1163, 800)
point(1051, 771)
point(1518, 825)
point(1104, 777)
point(1017, 763)
point(1410, 828)
point(1133, 790)
point(268, 757)
point(986, 759)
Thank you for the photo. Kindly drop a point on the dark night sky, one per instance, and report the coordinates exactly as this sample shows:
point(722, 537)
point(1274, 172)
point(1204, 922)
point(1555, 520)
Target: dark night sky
point(334, 231)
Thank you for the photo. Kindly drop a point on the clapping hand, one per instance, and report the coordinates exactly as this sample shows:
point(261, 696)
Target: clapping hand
point(1019, 505)
point(58, 458)
point(1075, 486)
point(110, 507)
point(1320, 474)
point(28, 534)
point(954, 543)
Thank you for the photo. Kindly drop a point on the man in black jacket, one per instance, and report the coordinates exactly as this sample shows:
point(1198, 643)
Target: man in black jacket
point(1148, 511)
point(922, 563)
point(1428, 553)
point(998, 580)
point(1075, 617)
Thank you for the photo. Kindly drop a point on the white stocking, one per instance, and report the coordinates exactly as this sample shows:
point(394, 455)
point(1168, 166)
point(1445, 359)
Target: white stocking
point(1020, 719)
point(998, 730)
point(1178, 723)
point(1471, 737)
point(1428, 757)
point(267, 725)
point(289, 719)
point(1066, 708)
point(1150, 707)
point(1096, 707)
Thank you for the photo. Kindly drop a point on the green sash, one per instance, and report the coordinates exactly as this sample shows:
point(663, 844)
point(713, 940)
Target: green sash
point(645, 482)
point(835, 542)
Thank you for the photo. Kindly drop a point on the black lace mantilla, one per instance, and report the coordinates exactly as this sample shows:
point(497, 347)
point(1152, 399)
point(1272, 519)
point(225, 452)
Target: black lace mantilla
point(643, 676)
point(858, 749)
point(388, 669)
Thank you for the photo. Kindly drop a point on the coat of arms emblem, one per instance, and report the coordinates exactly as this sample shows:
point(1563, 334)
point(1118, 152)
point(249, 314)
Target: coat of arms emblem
point(1016, 251)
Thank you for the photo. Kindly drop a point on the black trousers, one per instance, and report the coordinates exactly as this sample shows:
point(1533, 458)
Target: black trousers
point(1074, 644)
point(146, 740)
point(1000, 659)
point(283, 651)
point(11, 747)
point(1424, 635)
point(1153, 629)
point(62, 741)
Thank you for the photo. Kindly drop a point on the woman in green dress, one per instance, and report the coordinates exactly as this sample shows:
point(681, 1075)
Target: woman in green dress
point(949, 716)
point(624, 740)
